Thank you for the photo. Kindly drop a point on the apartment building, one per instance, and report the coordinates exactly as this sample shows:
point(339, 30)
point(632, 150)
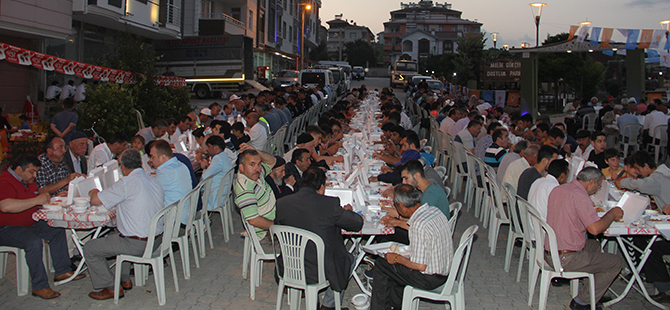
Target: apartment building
point(341, 31)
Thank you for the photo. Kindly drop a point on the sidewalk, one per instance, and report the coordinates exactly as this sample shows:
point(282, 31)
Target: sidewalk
point(218, 284)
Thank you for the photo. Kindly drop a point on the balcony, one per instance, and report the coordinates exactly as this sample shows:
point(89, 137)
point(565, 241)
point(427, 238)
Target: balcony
point(170, 16)
point(224, 24)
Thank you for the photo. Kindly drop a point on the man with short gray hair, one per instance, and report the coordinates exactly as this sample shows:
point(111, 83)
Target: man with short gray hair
point(571, 214)
point(157, 130)
point(137, 197)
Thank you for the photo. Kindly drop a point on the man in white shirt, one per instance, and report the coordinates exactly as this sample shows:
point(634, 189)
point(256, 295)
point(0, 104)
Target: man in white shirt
point(79, 93)
point(258, 132)
point(104, 152)
point(516, 168)
point(584, 147)
point(468, 134)
point(538, 196)
point(68, 90)
point(655, 119)
point(464, 120)
point(53, 91)
point(449, 122)
point(157, 130)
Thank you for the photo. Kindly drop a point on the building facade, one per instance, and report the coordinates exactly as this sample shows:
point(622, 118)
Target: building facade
point(425, 28)
point(340, 32)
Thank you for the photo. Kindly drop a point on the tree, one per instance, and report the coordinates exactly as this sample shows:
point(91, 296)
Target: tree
point(360, 53)
point(470, 55)
point(443, 65)
point(319, 53)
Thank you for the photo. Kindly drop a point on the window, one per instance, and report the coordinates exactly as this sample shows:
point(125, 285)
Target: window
point(407, 46)
point(424, 46)
point(116, 3)
point(283, 30)
point(251, 19)
point(441, 28)
point(352, 36)
point(425, 28)
point(466, 29)
point(453, 29)
point(236, 13)
point(207, 7)
point(290, 36)
point(448, 47)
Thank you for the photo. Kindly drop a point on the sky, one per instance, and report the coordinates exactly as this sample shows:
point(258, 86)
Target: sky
point(513, 19)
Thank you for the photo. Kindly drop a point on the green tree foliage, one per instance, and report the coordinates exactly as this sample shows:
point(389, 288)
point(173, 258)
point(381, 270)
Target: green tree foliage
point(319, 53)
point(360, 53)
point(113, 106)
point(443, 65)
point(470, 56)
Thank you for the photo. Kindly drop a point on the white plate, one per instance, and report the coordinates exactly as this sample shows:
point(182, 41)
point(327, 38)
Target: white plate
point(382, 248)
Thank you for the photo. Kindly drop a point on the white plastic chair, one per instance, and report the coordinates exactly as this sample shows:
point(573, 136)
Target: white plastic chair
point(22, 272)
point(293, 243)
point(498, 215)
point(628, 138)
point(191, 199)
point(589, 122)
point(225, 204)
point(524, 206)
point(458, 168)
point(154, 258)
point(203, 226)
point(452, 291)
point(516, 229)
point(253, 258)
point(659, 145)
point(555, 269)
point(454, 209)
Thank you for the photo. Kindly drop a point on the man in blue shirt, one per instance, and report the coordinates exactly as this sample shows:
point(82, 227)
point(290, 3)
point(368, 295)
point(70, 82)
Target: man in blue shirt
point(219, 165)
point(627, 119)
point(171, 173)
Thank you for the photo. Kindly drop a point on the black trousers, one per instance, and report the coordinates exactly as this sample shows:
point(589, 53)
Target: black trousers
point(390, 280)
point(655, 268)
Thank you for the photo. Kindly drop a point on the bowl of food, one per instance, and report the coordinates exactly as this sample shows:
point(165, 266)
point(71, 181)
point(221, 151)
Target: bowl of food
point(52, 207)
point(62, 201)
point(82, 202)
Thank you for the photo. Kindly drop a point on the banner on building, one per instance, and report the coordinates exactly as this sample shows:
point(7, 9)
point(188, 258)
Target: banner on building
point(500, 98)
point(653, 56)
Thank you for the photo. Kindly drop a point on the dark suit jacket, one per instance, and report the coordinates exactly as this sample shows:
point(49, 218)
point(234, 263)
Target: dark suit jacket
point(293, 170)
point(82, 163)
point(323, 216)
point(279, 190)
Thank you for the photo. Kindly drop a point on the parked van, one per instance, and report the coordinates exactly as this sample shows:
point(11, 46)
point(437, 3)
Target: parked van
point(313, 77)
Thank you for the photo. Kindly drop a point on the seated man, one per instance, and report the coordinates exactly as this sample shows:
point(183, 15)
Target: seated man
point(496, 151)
point(157, 130)
point(544, 157)
point(300, 161)
point(517, 167)
point(597, 156)
point(253, 195)
point(219, 164)
point(276, 180)
point(18, 201)
point(309, 209)
point(258, 131)
point(75, 158)
point(570, 214)
point(430, 252)
point(54, 176)
point(137, 197)
point(538, 196)
point(105, 152)
point(173, 175)
point(652, 180)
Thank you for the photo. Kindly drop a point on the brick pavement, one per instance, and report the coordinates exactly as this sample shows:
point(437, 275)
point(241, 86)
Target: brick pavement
point(218, 284)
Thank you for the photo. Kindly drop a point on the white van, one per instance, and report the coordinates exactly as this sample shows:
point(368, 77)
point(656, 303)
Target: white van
point(313, 77)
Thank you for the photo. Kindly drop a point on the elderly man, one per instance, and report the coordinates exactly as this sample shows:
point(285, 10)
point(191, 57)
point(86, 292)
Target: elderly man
point(430, 252)
point(173, 175)
point(65, 122)
point(219, 164)
point(215, 108)
point(258, 131)
point(570, 214)
point(18, 201)
point(137, 197)
point(157, 130)
point(584, 146)
point(311, 210)
point(238, 106)
point(75, 158)
point(54, 176)
point(300, 161)
point(498, 150)
point(304, 141)
point(517, 151)
point(538, 196)
point(253, 195)
point(517, 167)
point(280, 186)
point(105, 152)
point(205, 117)
point(466, 137)
point(545, 156)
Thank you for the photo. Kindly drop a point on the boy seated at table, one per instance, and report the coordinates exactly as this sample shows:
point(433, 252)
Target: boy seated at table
point(613, 170)
point(138, 143)
point(238, 136)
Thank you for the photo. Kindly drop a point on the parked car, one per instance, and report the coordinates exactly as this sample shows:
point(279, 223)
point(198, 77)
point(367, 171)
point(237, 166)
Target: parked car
point(339, 78)
point(359, 73)
point(285, 78)
point(313, 77)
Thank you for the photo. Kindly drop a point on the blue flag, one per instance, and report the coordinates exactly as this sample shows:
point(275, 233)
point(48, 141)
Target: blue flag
point(667, 44)
point(653, 56)
point(487, 96)
point(595, 35)
point(631, 41)
point(609, 52)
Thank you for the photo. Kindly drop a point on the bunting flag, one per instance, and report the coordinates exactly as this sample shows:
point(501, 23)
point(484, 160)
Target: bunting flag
point(609, 52)
point(631, 41)
point(645, 38)
point(487, 95)
point(513, 98)
point(25, 57)
point(623, 32)
point(656, 40)
point(607, 37)
point(667, 45)
point(573, 30)
point(621, 52)
point(664, 59)
point(500, 98)
point(652, 56)
point(582, 33)
point(595, 34)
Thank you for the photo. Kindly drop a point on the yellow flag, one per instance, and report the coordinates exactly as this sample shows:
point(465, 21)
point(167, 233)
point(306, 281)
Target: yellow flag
point(645, 38)
point(573, 30)
point(606, 37)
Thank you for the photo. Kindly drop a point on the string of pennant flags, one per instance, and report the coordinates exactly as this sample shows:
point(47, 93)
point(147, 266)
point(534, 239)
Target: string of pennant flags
point(26, 57)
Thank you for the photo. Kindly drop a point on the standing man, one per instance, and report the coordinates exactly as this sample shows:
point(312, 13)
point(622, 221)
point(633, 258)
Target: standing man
point(19, 199)
point(430, 252)
point(54, 176)
point(105, 152)
point(75, 158)
point(258, 131)
point(253, 195)
point(311, 210)
point(157, 130)
point(173, 175)
point(137, 197)
point(526, 179)
point(570, 214)
point(218, 166)
point(64, 122)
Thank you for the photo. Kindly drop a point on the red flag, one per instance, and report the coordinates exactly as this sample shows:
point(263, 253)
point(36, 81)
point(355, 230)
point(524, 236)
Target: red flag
point(606, 37)
point(573, 30)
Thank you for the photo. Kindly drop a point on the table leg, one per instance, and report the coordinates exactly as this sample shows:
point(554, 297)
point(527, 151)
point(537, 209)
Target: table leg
point(635, 270)
point(78, 243)
point(359, 259)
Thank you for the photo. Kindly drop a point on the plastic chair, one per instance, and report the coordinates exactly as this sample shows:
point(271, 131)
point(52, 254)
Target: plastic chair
point(516, 229)
point(524, 206)
point(22, 273)
point(293, 243)
point(659, 145)
point(454, 209)
point(458, 168)
point(630, 141)
point(589, 122)
point(555, 269)
point(202, 222)
point(154, 258)
point(498, 215)
point(453, 290)
point(225, 204)
point(182, 240)
point(253, 257)
point(140, 122)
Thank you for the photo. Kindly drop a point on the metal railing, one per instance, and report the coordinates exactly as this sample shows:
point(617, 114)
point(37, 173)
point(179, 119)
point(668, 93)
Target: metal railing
point(173, 15)
point(228, 18)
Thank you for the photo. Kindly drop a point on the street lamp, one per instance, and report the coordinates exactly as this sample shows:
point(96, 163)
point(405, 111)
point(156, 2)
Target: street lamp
point(494, 35)
point(666, 25)
point(537, 15)
point(307, 7)
point(505, 47)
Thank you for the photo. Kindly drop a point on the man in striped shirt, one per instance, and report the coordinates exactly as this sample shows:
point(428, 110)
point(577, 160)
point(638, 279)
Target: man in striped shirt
point(494, 153)
point(253, 195)
point(430, 252)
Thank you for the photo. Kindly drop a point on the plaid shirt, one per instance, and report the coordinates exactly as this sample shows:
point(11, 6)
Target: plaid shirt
point(48, 174)
point(430, 241)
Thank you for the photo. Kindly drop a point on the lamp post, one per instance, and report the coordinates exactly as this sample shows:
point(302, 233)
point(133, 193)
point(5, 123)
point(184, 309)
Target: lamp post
point(307, 7)
point(537, 15)
point(505, 47)
point(494, 35)
point(666, 25)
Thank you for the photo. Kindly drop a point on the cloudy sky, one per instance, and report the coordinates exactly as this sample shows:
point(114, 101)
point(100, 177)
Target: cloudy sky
point(513, 19)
